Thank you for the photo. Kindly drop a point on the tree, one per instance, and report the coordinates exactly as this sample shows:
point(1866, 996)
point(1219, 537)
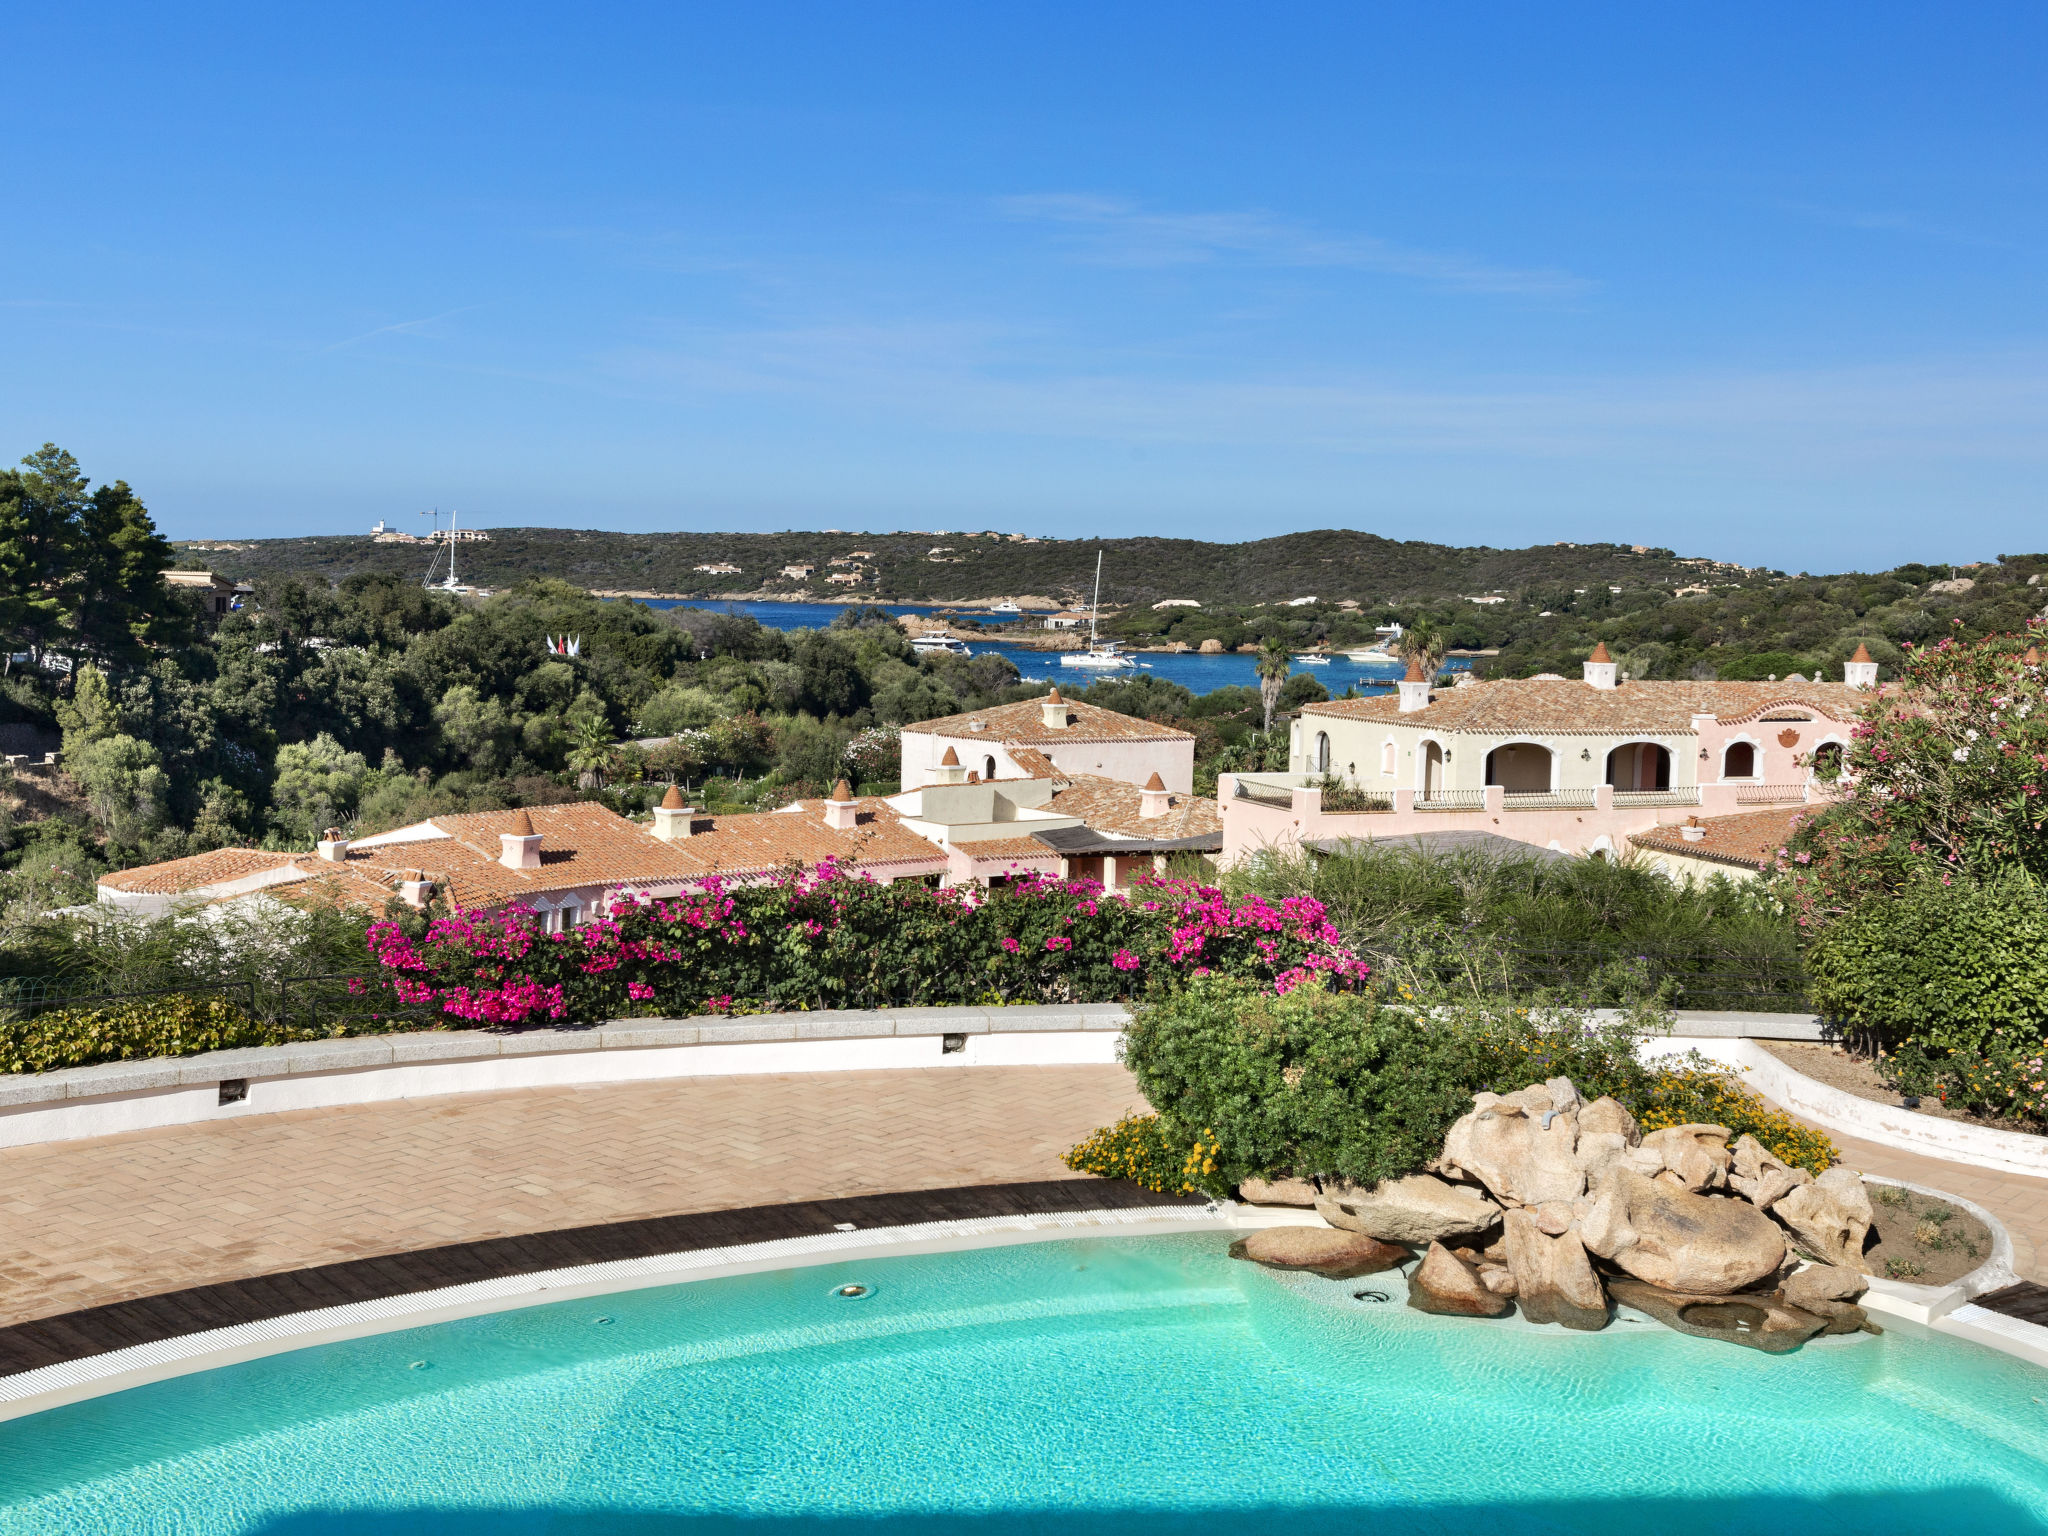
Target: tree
point(1425, 643)
point(41, 507)
point(590, 752)
point(79, 566)
point(1274, 665)
point(318, 783)
point(1947, 780)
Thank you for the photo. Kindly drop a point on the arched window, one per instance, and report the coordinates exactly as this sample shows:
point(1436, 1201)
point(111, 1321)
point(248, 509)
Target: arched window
point(1387, 760)
point(1739, 762)
point(1522, 768)
point(988, 769)
point(1322, 751)
point(1827, 761)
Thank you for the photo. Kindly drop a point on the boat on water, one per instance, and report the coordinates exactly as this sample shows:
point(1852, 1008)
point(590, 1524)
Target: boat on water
point(1311, 659)
point(1101, 655)
point(1369, 654)
point(936, 645)
point(1005, 606)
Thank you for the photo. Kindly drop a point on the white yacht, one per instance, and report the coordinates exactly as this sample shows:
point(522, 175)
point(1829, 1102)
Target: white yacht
point(1005, 606)
point(1311, 659)
point(936, 645)
point(1370, 654)
point(1101, 655)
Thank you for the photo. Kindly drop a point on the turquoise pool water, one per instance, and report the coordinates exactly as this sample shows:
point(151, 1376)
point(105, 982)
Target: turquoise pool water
point(1114, 1387)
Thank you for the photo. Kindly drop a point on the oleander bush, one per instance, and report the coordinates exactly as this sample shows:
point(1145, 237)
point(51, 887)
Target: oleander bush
point(1319, 1082)
point(829, 939)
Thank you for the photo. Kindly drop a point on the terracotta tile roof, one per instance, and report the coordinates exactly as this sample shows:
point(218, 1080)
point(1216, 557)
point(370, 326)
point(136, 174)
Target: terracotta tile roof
point(1007, 848)
point(582, 844)
point(175, 876)
point(1025, 722)
point(1528, 705)
point(1033, 763)
point(1109, 805)
point(765, 841)
point(1748, 839)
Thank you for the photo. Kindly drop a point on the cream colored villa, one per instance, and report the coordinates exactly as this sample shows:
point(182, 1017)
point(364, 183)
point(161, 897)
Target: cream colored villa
point(1070, 738)
point(1578, 766)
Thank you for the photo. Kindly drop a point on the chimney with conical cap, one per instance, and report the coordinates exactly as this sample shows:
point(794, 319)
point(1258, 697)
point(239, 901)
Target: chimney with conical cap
point(842, 809)
point(1414, 687)
point(519, 848)
point(1860, 671)
point(1153, 799)
point(1600, 668)
point(949, 770)
point(672, 816)
point(1052, 709)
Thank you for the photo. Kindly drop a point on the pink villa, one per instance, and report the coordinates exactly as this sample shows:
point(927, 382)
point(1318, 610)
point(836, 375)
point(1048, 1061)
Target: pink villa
point(1578, 767)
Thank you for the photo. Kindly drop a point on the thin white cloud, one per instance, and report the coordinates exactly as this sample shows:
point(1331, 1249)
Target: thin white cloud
point(1882, 221)
point(1113, 232)
point(985, 379)
point(427, 325)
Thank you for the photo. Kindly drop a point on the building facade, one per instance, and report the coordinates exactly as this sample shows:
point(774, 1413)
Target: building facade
point(1577, 766)
point(1074, 739)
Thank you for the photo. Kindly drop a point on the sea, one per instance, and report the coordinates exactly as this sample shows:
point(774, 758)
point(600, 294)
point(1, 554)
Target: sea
point(1195, 672)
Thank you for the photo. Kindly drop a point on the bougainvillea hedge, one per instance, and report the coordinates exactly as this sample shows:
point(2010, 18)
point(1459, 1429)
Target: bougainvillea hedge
point(829, 939)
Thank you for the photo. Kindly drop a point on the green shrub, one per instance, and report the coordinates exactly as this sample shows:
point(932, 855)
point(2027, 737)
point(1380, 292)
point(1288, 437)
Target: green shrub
point(1319, 1083)
point(1146, 1150)
point(132, 1031)
point(1937, 968)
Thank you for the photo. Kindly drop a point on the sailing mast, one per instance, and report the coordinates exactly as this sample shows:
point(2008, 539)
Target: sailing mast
point(1096, 601)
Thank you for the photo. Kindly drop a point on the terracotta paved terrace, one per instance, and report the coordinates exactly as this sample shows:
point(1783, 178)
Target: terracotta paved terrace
point(88, 1222)
point(116, 1217)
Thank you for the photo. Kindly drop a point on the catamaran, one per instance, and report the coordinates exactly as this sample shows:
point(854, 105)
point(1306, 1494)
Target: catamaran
point(448, 583)
point(1101, 655)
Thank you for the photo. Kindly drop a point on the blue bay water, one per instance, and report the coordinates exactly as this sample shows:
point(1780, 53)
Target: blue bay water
point(1197, 673)
point(1110, 1387)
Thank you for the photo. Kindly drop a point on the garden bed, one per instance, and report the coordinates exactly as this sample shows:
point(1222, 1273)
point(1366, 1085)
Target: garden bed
point(1857, 1075)
point(1922, 1240)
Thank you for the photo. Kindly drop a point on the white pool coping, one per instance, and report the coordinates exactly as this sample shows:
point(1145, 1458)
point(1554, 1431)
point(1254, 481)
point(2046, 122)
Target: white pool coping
point(1889, 1125)
point(71, 1381)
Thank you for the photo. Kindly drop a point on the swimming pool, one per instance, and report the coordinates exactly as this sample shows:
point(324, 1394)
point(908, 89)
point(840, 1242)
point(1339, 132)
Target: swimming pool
point(1095, 1386)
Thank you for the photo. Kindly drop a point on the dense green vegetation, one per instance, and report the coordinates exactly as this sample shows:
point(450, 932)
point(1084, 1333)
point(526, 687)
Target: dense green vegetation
point(1661, 615)
point(1332, 564)
point(1591, 932)
point(1762, 625)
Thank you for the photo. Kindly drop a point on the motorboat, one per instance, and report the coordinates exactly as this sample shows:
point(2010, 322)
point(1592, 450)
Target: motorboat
point(1369, 655)
point(1311, 659)
point(1005, 606)
point(938, 645)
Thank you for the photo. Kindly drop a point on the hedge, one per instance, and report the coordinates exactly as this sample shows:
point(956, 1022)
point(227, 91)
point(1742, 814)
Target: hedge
point(1316, 1082)
point(179, 1025)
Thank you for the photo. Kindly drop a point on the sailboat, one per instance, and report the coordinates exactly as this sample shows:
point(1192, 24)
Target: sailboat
point(1101, 655)
point(447, 583)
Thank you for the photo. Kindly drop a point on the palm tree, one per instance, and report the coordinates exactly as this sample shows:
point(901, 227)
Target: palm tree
point(1273, 668)
point(1422, 641)
point(592, 752)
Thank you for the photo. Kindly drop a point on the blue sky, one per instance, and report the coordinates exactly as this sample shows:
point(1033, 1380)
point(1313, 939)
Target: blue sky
point(1752, 281)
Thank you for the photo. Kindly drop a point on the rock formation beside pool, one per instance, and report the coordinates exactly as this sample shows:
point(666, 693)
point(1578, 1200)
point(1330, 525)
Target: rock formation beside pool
point(1542, 1201)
